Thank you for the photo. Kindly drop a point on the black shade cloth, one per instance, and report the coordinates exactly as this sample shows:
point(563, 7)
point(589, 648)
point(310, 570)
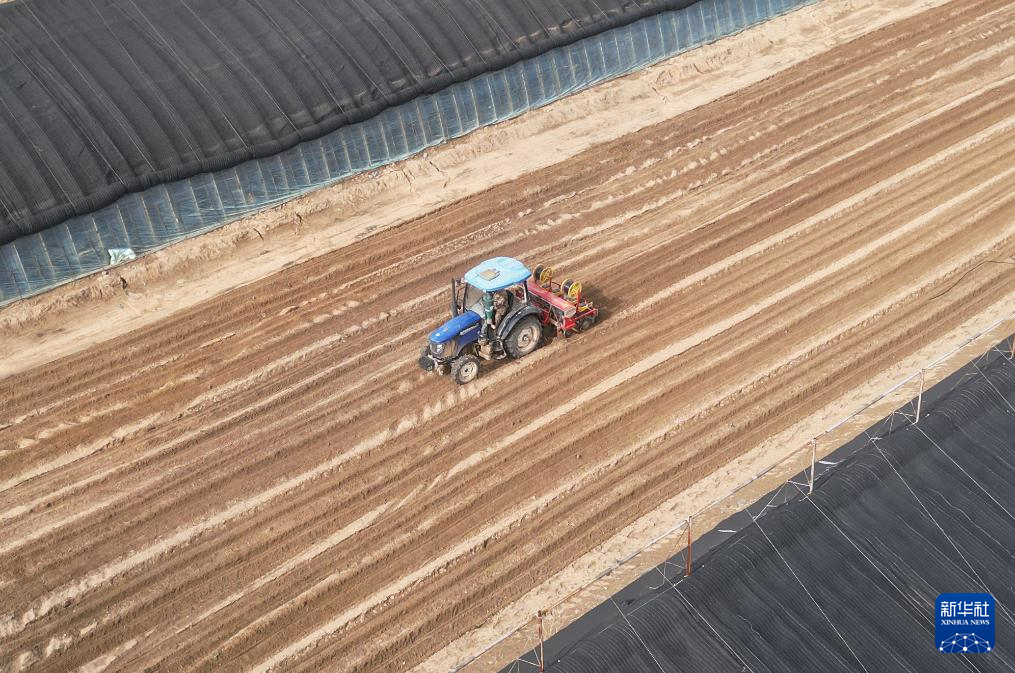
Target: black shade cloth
point(99, 98)
point(845, 581)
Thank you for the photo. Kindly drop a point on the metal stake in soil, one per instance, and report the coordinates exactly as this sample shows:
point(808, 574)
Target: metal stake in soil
point(687, 572)
point(539, 621)
point(814, 463)
point(919, 398)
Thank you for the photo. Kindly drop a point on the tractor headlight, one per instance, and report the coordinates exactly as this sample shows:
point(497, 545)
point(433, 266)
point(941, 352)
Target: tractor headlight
point(437, 349)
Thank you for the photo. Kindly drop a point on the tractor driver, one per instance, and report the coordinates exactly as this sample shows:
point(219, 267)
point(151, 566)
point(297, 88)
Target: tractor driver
point(500, 306)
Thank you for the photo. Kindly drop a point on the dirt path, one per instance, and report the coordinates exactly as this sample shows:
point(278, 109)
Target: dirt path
point(266, 479)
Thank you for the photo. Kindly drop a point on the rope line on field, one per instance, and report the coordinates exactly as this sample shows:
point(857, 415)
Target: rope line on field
point(1010, 260)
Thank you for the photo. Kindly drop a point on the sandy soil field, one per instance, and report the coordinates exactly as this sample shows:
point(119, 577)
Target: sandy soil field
point(266, 481)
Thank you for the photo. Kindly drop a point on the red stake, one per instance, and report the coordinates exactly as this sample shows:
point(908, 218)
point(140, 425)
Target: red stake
point(539, 618)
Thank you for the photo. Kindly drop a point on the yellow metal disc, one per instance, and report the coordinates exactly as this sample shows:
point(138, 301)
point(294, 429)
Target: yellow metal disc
point(575, 291)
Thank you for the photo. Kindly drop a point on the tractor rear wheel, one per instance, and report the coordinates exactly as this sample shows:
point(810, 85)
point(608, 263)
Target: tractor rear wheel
point(524, 338)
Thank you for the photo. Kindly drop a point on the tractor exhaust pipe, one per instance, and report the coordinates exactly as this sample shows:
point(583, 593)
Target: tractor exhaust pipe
point(454, 298)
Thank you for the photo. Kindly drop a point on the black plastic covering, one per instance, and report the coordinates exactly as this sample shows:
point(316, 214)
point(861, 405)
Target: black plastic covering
point(99, 98)
point(846, 580)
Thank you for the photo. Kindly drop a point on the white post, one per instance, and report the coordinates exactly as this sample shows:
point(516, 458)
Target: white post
point(919, 398)
point(814, 461)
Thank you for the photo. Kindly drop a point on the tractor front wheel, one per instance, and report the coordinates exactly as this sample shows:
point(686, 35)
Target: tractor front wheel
point(465, 369)
point(524, 338)
point(426, 363)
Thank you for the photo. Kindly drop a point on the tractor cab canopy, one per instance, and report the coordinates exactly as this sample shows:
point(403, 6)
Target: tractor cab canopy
point(497, 274)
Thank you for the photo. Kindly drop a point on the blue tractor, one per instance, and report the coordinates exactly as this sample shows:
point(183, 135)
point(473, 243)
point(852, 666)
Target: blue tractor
point(491, 318)
point(498, 310)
